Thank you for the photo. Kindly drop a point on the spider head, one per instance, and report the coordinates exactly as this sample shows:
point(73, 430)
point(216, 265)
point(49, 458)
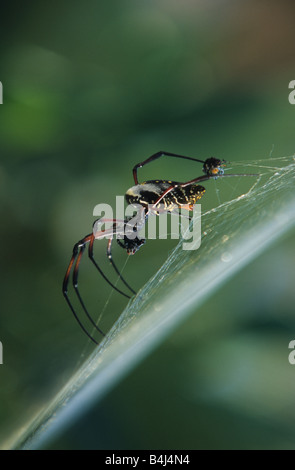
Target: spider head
point(131, 245)
point(214, 167)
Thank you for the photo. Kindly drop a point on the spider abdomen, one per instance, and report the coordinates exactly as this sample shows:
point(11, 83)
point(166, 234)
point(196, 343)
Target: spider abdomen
point(150, 191)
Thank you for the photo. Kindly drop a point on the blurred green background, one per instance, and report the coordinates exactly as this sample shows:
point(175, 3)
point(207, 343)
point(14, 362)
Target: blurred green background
point(90, 89)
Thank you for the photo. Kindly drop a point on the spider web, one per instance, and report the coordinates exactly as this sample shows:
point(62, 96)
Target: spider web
point(233, 233)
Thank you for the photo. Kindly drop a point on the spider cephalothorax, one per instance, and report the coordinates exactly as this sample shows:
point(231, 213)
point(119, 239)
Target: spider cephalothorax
point(131, 245)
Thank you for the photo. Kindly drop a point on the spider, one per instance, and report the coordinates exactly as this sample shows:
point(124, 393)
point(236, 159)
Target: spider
point(148, 195)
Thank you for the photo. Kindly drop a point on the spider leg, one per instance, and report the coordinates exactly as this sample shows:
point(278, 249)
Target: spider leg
point(75, 260)
point(75, 284)
point(65, 291)
point(90, 254)
point(157, 155)
point(110, 257)
point(199, 179)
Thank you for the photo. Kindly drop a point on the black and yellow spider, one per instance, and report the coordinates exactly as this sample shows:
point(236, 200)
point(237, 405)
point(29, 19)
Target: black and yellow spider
point(149, 195)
